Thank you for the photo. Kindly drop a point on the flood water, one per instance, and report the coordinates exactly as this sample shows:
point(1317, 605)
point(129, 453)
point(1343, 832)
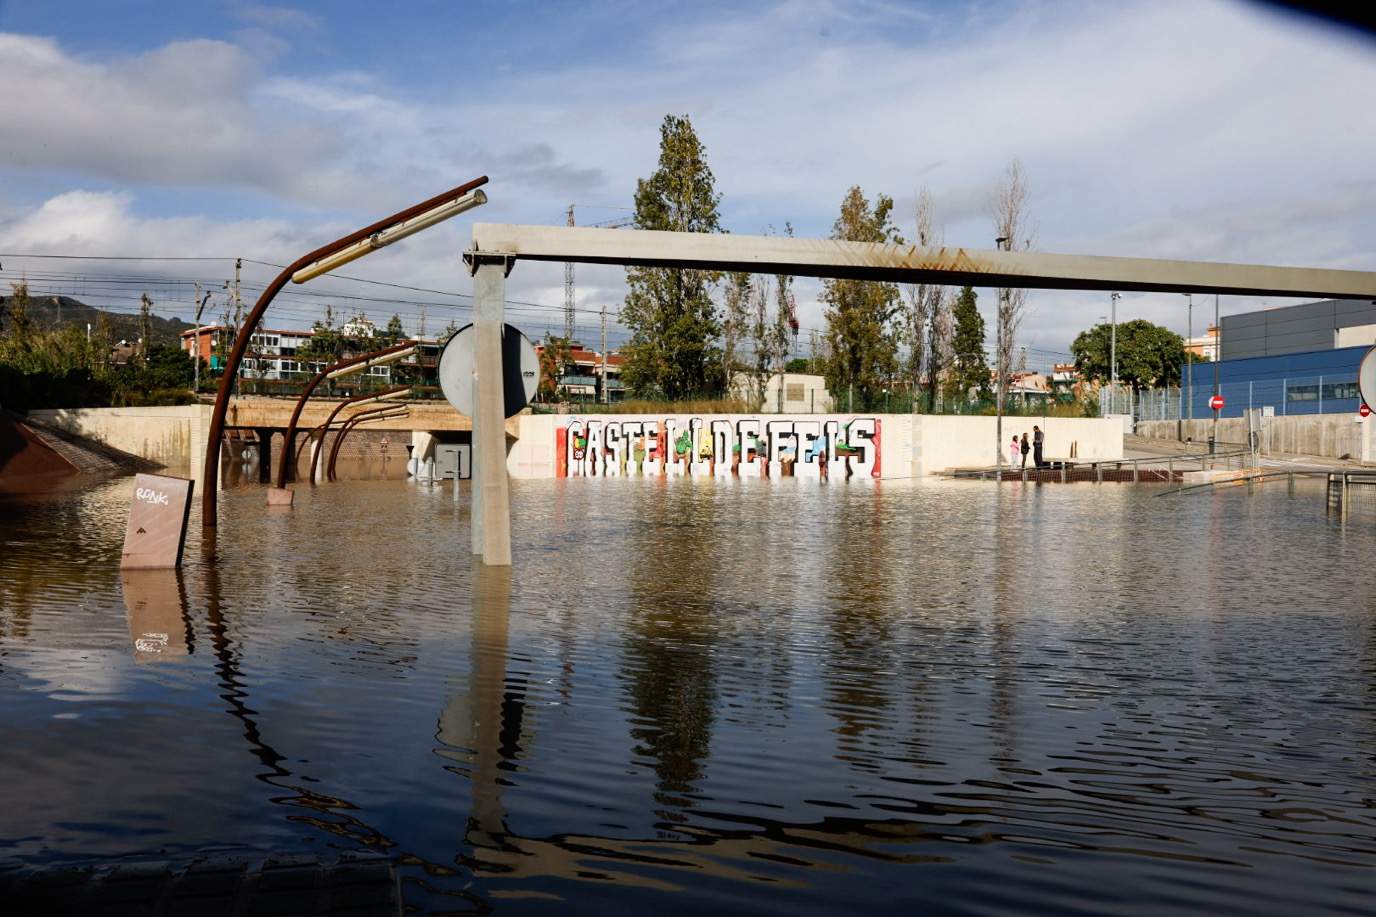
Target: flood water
point(703, 696)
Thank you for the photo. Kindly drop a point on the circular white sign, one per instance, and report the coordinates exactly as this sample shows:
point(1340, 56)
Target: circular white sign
point(520, 369)
point(1366, 377)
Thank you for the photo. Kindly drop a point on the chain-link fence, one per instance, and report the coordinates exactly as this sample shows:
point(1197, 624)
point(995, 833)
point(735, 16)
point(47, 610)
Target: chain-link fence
point(1285, 396)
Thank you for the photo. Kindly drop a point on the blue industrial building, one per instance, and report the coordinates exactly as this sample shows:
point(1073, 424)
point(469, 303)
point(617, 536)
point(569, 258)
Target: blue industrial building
point(1315, 382)
point(1299, 359)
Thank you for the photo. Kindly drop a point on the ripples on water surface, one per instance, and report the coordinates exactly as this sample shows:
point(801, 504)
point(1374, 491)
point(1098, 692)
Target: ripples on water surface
point(697, 696)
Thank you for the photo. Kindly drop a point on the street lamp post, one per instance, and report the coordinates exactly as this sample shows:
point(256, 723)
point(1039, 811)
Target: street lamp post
point(1005, 243)
point(1113, 345)
point(1189, 357)
point(322, 260)
point(1218, 355)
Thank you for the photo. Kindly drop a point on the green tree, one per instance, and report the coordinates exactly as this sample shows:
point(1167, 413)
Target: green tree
point(1148, 354)
point(554, 363)
point(969, 371)
point(670, 312)
point(395, 332)
point(862, 341)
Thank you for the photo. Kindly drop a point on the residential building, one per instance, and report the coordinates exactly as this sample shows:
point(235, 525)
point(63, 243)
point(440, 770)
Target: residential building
point(583, 378)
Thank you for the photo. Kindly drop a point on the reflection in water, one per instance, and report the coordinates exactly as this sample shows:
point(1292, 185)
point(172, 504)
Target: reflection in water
point(670, 682)
point(741, 695)
point(155, 602)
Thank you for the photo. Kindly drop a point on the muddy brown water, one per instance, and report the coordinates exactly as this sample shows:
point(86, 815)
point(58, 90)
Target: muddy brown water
point(703, 696)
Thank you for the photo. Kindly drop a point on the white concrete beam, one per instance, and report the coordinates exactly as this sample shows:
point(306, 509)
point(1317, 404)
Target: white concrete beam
point(911, 264)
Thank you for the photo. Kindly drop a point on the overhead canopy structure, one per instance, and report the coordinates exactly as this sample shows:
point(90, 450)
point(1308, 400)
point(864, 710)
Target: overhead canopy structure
point(910, 263)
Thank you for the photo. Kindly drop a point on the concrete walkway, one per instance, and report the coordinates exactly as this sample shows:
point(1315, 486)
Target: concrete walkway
point(1141, 447)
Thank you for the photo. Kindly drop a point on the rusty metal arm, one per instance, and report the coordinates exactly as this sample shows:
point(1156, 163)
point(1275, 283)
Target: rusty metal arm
point(366, 396)
point(283, 469)
point(211, 471)
point(386, 412)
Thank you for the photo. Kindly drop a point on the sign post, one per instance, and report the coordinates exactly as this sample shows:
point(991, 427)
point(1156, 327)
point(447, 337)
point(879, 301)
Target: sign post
point(156, 531)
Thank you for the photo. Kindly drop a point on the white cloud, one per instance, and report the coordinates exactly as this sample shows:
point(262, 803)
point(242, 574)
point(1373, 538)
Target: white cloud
point(1210, 131)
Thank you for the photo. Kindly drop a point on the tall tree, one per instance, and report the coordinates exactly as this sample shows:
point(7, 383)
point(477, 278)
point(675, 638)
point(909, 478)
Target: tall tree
point(145, 326)
point(1012, 226)
point(1148, 354)
point(395, 332)
point(669, 311)
point(927, 326)
point(860, 333)
point(969, 371)
point(735, 328)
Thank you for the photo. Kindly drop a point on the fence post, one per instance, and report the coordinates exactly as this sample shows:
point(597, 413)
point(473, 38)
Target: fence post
point(1320, 394)
point(1284, 396)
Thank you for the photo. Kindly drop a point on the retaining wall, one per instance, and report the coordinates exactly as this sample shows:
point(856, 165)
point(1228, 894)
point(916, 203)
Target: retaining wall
point(1326, 435)
point(171, 436)
point(910, 445)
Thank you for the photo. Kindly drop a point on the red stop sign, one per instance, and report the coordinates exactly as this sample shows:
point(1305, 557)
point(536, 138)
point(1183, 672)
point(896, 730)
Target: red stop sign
point(1216, 402)
point(1364, 410)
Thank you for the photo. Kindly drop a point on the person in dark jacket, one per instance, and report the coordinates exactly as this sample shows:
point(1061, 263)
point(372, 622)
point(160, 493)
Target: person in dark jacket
point(1025, 449)
point(1037, 437)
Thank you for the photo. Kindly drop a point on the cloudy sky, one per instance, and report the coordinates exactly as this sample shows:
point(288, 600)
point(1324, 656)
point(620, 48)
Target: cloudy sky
point(1222, 131)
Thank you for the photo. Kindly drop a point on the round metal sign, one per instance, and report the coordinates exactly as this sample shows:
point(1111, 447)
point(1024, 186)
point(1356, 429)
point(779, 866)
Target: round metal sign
point(1364, 410)
point(1366, 377)
point(1216, 402)
point(520, 369)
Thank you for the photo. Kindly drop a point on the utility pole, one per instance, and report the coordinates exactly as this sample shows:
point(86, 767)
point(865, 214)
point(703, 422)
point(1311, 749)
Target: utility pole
point(606, 392)
point(196, 344)
point(568, 292)
point(196, 341)
point(238, 303)
point(421, 333)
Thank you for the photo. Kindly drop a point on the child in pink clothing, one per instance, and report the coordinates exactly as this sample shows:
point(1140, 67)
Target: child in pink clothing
point(1014, 450)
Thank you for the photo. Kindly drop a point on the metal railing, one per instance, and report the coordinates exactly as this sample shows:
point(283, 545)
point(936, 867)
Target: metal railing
point(1351, 490)
point(1139, 469)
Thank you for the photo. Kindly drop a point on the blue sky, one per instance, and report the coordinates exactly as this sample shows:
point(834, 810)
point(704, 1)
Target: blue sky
point(1206, 130)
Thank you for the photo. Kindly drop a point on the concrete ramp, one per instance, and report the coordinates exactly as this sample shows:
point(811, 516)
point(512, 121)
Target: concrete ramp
point(26, 459)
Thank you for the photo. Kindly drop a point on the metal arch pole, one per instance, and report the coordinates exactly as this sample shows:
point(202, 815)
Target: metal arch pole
point(211, 471)
point(347, 427)
point(282, 472)
point(324, 427)
point(491, 515)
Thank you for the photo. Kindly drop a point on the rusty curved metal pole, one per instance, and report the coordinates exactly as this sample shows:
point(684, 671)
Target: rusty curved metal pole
point(320, 428)
point(211, 471)
point(324, 427)
point(361, 417)
point(284, 469)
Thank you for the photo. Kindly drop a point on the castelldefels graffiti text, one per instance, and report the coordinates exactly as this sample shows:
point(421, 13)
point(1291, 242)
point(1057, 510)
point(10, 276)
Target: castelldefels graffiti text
point(745, 447)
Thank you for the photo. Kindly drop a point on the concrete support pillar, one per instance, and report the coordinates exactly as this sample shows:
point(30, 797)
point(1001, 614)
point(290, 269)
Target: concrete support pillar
point(264, 455)
point(491, 517)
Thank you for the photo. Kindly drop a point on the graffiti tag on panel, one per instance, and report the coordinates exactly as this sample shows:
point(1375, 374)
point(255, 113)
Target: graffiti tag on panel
point(718, 447)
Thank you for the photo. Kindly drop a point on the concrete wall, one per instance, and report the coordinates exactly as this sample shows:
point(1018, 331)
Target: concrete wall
point(1326, 435)
point(910, 445)
point(171, 436)
point(947, 442)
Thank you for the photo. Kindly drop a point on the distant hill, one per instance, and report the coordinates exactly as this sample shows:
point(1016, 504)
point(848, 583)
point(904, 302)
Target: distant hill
point(50, 312)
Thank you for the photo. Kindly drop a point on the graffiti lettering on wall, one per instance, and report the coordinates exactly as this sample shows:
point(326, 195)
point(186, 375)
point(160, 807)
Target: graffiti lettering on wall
point(744, 447)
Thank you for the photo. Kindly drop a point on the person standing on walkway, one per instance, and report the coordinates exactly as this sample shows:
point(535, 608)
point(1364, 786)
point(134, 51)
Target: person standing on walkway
point(1037, 437)
point(1014, 450)
point(1025, 448)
